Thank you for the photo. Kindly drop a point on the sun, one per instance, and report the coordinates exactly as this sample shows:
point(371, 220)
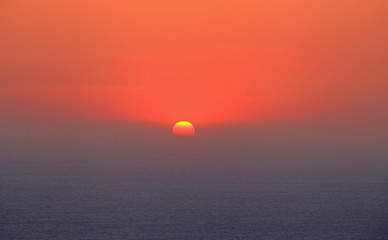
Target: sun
point(183, 128)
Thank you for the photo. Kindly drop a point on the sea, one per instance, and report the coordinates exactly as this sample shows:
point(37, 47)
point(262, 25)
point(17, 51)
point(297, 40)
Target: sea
point(192, 201)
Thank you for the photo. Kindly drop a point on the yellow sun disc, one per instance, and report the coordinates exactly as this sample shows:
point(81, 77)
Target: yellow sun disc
point(183, 128)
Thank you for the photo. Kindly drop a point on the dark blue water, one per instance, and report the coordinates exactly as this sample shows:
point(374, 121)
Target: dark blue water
point(191, 201)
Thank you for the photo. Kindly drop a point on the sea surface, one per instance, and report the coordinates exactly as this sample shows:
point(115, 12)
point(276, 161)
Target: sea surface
point(191, 201)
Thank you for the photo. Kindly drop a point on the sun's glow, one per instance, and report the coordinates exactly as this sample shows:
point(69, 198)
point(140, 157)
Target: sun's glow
point(183, 128)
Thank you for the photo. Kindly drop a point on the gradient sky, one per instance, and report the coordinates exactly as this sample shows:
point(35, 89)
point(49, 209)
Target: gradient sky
point(208, 62)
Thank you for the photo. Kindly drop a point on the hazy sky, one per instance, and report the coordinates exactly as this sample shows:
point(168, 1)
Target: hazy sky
point(216, 62)
point(259, 79)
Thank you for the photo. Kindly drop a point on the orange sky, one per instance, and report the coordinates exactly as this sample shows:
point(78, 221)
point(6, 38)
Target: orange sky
point(208, 62)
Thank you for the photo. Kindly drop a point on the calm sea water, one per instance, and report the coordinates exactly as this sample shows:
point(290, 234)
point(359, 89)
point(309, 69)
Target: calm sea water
point(188, 201)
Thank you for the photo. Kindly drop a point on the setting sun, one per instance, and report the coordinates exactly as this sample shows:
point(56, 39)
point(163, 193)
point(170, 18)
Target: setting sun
point(285, 133)
point(183, 128)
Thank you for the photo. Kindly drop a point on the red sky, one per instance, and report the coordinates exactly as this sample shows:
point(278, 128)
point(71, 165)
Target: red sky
point(208, 62)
